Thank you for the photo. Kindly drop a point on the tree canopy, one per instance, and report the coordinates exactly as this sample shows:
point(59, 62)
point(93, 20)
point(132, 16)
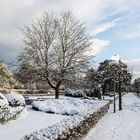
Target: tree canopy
point(55, 47)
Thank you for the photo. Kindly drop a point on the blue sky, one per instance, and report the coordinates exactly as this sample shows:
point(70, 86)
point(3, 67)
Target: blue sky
point(113, 24)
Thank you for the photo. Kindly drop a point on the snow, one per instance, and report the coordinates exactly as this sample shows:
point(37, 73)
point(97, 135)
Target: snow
point(3, 101)
point(70, 106)
point(123, 125)
point(31, 120)
point(64, 127)
point(8, 113)
point(46, 97)
point(15, 99)
point(115, 58)
point(34, 120)
point(74, 93)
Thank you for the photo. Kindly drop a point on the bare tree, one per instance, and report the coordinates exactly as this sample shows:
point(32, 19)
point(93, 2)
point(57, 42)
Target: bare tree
point(55, 47)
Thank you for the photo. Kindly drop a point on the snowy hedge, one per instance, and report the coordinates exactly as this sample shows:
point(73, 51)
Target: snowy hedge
point(15, 99)
point(3, 101)
point(74, 93)
point(91, 92)
point(7, 112)
point(72, 128)
point(70, 106)
point(81, 93)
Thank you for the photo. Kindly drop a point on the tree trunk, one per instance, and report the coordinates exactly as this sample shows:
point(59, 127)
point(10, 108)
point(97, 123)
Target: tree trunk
point(57, 93)
point(57, 90)
point(104, 89)
point(120, 96)
point(99, 95)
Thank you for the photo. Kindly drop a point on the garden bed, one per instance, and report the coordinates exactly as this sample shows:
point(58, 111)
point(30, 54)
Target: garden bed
point(74, 127)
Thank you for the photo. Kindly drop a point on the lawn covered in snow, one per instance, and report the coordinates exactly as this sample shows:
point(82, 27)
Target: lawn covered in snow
point(30, 121)
point(123, 125)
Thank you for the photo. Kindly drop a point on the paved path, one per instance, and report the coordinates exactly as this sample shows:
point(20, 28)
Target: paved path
point(123, 125)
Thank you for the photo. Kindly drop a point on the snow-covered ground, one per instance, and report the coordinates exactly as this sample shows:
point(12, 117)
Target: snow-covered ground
point(80, 109)
point(36, 120)
point(123, 125)
point(33, 120)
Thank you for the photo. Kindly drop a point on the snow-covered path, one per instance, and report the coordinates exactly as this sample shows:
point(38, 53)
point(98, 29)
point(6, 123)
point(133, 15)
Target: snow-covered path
point(123, 125)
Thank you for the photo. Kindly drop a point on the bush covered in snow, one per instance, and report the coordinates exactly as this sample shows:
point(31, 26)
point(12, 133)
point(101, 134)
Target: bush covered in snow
point(94, 92)
point(3, 101)
point(15, 99)
point(85, 93)
point(70, 106)
point(7, 112)
point(90, 93)
point(74, 93)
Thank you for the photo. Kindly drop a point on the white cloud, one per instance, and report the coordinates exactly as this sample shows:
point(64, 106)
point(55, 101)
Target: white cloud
point(98, 45)
point(131, 6)
point(15, 13)
point(89, 9)
point(103, 27)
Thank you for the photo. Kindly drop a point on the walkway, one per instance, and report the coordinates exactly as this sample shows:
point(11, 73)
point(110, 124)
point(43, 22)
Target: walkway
point(123, 125)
